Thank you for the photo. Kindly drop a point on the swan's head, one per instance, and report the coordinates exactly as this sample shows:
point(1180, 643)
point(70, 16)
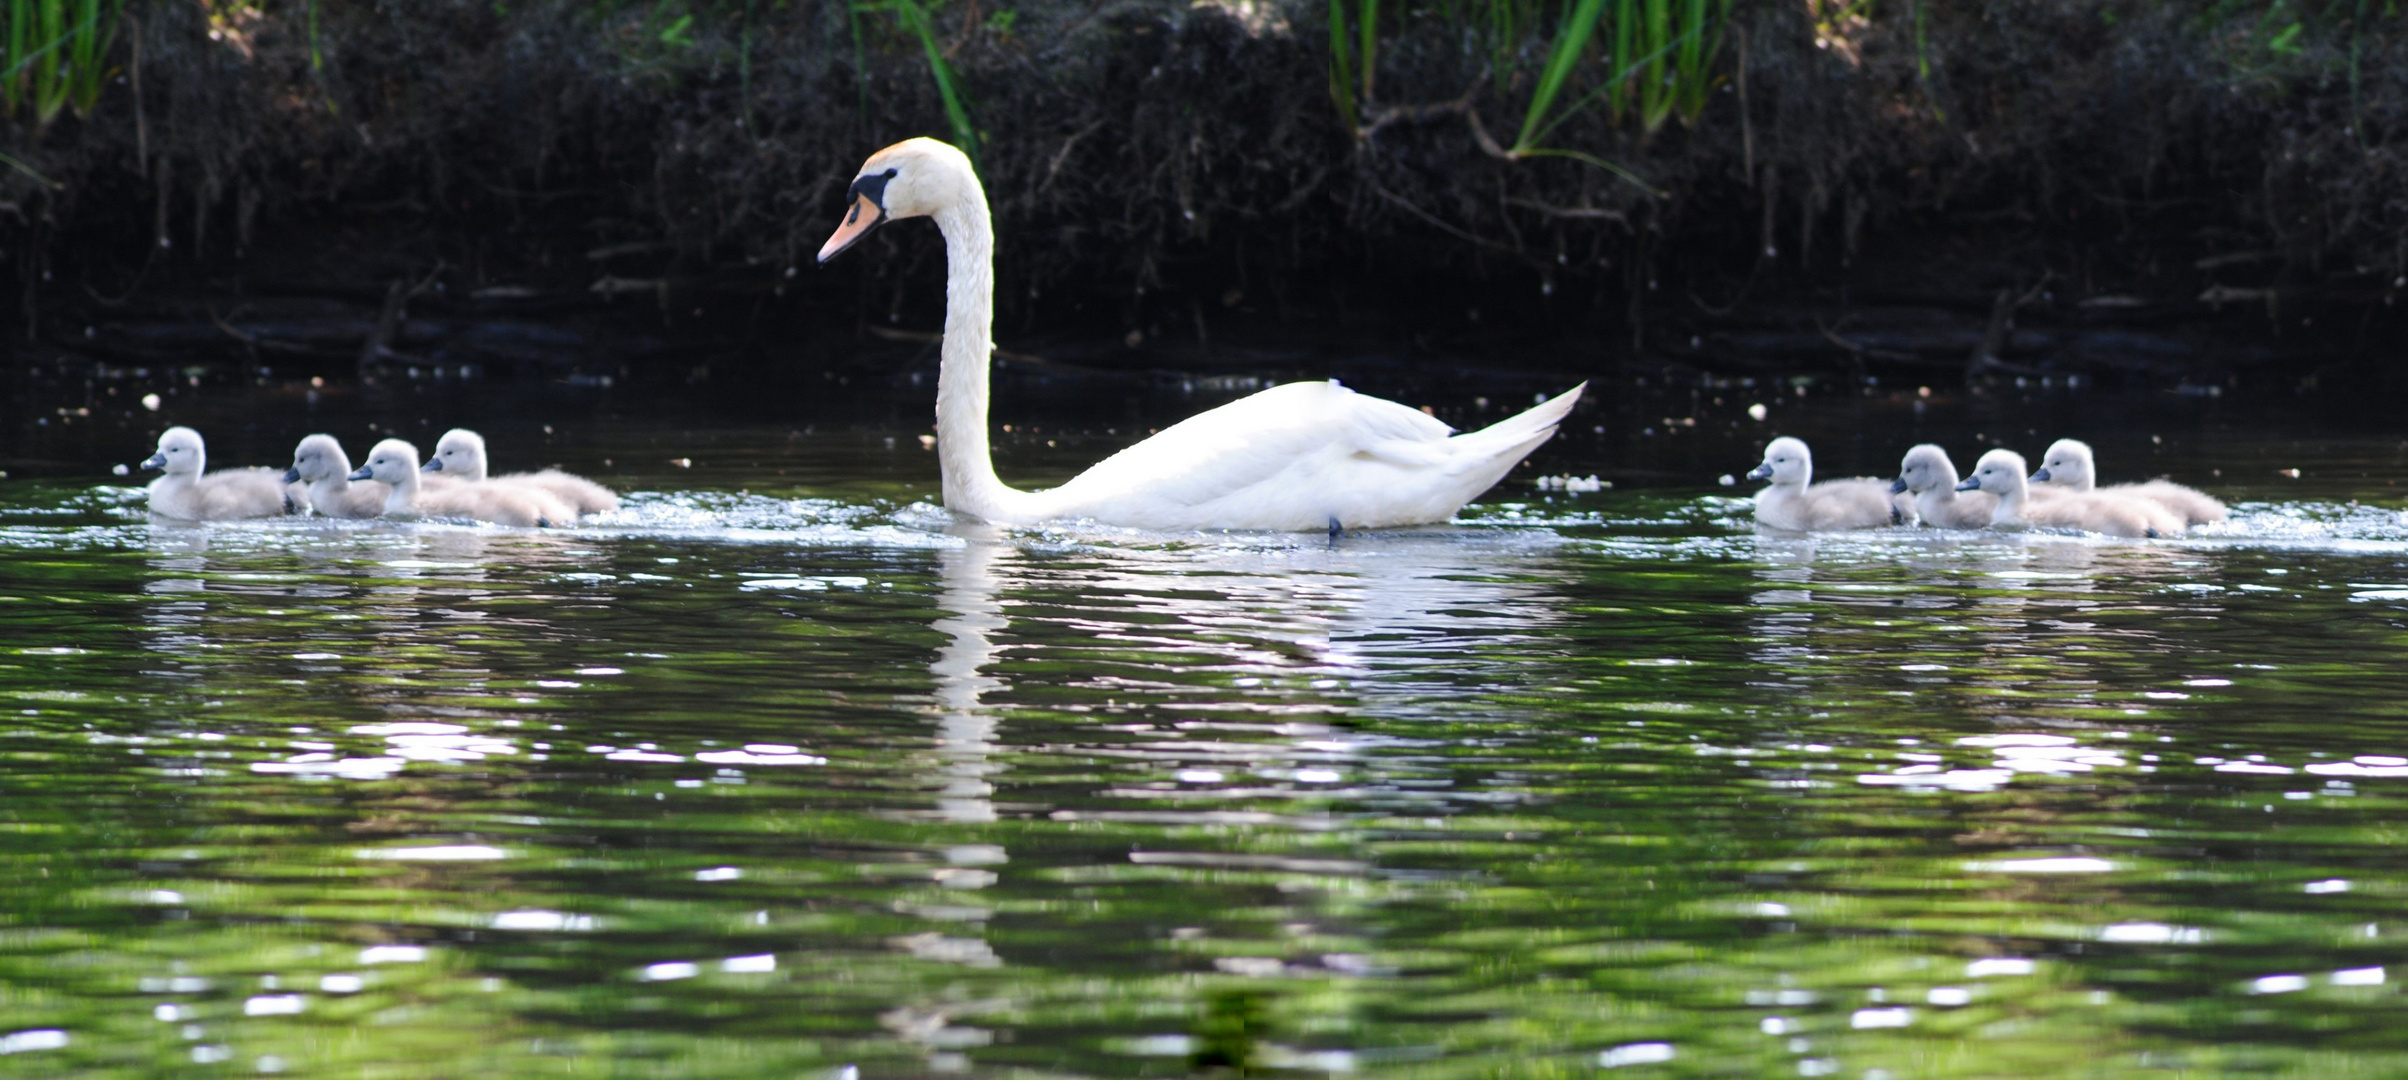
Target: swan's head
point(912, 178)
point(179, 452)
point(318, 457)
point(1785, 462)
point(391, 460)
point(1924, 468)
point(2067, 463)
point(1999, 472)
point(460, 452)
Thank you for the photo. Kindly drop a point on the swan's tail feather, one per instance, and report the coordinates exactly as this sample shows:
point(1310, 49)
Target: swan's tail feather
point(1520, 433)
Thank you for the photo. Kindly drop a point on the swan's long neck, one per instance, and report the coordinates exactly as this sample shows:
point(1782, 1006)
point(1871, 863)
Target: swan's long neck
point(970, 484)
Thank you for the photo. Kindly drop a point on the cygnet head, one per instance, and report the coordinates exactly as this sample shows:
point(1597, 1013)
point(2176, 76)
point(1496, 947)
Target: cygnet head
point(1785, 462)
point(318, 457)
point(179, 452)
point(2000, 472)
point(390, 461)
point(2068, 463)
point(912, 178)
point(461, 453)
point(1924, 468)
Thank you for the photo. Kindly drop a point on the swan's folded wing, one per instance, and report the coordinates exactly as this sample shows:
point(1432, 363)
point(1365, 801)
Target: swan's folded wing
point(1253, 439)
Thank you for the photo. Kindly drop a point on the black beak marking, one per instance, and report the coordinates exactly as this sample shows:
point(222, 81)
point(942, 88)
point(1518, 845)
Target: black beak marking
point(871, 186)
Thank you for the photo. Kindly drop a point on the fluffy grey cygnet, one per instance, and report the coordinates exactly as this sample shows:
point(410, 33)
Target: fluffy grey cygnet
point(1791, 503)
point(2001, 472)
point(395, 462)
point(324, 470)
point(2068, 466)
point(1928, 475)
point(187, 492)
point(461, 453)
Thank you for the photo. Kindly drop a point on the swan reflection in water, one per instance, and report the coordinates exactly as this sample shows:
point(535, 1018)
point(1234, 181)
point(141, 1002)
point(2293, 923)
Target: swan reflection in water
point(1264, 635)
point(1207, 675)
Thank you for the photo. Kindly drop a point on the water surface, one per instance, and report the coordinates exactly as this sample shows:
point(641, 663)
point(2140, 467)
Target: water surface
point(782, 771)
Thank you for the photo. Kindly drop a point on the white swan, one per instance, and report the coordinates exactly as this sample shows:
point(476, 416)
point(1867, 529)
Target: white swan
point(460, 453)
point(1858, 503)
point(2068, 466)
point(320, 464)
point(185, 492)
point(395, 462)
point(2001, 473)
point(1931, 478)
point(1303, 456)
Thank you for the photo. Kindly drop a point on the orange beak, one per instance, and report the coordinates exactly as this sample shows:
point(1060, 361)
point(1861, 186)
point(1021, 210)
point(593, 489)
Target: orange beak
point(866, 215)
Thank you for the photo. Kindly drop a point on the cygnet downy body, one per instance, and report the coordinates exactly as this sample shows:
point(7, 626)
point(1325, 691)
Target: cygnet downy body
point(1795, 502)
point(461, 453)
point(2001, 472)
point(2069, 466)
point(1931, 478)
point(189, 493)
point(395, 462)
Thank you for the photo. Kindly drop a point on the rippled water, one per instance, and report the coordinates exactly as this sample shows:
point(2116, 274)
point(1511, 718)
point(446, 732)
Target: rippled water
point(770, 776)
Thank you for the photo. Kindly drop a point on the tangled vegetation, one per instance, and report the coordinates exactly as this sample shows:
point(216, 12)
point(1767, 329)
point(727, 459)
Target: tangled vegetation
point(1151, 156)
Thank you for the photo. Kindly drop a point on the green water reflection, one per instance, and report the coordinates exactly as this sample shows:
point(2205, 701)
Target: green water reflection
point(775, 785)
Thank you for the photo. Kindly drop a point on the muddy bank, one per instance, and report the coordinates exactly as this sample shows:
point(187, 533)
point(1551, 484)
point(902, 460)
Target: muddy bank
point(2124, 190)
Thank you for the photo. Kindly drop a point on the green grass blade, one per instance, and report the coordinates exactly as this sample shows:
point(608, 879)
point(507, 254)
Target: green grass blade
point(915, 20)
point(20, 40)
point(1571, 39)
point(1626, 47)
point(1341, 64)
point(1369, 30)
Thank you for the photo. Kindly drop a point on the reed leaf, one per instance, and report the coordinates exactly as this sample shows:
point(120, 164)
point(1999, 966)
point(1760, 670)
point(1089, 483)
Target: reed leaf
point(1571, 40)
point(54, 56)
point(1341, 64)
point(1369, 31)
point(914, 20)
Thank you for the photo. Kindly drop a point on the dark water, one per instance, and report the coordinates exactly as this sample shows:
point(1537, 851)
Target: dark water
point(781, 772)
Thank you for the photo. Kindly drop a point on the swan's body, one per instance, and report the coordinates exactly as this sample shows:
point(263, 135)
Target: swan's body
point(324, 470)
point(1928, 475)
point(460, 454)
point(2001, 472)
point(1303, 456)
point(189, 493)
point(395, 462)
point(1795, 502)
point(2068, 466)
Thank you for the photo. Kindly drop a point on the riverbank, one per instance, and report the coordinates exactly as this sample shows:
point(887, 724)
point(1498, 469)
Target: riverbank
point(2169, 193)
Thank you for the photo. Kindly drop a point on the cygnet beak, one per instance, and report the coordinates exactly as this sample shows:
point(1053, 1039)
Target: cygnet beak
point(1972, 483)
point(1898, 486)
point(2041, 477)
point(363, 473)
point(432, 465)
point(1761, 472)
point(292, 475)
point(155, 461)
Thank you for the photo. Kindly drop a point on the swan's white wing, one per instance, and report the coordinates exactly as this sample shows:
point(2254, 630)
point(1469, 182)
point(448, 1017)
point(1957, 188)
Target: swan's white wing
point(1227, 449)
point(1296, 456)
